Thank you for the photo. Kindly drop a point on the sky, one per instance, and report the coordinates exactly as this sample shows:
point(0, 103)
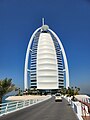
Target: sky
point(69, 19)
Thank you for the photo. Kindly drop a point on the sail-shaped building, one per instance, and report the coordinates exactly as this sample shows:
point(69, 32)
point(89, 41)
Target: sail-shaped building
point(45, 64)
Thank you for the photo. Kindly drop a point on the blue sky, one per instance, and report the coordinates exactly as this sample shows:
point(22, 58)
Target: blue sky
point(69, 19)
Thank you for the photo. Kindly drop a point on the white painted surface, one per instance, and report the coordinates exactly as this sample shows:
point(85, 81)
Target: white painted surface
point(27, 59)
point(47, 77)
point(64, 58)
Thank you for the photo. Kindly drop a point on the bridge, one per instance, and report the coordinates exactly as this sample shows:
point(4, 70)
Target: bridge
point(46, 110)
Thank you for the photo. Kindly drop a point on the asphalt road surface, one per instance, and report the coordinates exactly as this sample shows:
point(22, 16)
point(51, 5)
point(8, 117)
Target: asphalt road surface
point(47, 110)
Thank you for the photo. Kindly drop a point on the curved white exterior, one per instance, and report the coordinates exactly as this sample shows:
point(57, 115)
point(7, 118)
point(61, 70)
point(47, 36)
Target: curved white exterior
point(64, 58)
point(27, 59)
point(46, 53)
point(47, 76)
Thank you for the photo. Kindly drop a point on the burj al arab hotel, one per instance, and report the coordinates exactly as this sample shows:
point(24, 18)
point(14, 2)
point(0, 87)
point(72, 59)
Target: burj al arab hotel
point(46, 66)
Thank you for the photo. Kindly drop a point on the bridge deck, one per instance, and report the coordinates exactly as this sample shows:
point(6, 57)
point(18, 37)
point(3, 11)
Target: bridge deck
point(47, 110)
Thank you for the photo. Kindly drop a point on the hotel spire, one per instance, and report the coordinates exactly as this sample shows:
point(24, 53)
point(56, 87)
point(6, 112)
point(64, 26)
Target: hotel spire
point(42, 21)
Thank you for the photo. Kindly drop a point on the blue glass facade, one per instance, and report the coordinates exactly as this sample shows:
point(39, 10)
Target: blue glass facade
point(33, 79)
point(60, 62)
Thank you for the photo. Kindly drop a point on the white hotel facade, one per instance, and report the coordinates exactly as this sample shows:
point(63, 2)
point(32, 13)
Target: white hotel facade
point(45, 64)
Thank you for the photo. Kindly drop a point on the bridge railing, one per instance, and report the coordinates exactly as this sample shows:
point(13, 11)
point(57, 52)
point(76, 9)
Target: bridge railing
point(10, 107)
point(80, 108)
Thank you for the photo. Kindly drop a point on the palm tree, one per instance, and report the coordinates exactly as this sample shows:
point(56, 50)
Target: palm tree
point(5, 87)
point(77, 90)
point(63, 91)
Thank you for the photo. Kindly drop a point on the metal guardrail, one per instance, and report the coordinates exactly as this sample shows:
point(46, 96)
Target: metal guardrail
point(10, 107)
point(16, 105)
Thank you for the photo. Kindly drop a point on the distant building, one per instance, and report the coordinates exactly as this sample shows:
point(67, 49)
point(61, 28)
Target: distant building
point(46, 63)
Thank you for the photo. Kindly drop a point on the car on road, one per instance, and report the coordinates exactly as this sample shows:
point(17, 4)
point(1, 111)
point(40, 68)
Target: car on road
point(58, 97)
